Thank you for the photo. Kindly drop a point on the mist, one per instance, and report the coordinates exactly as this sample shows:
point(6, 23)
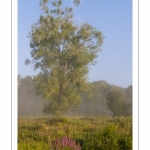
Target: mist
point(29, 104)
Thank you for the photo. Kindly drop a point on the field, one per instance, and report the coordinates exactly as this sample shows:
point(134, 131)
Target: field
point(74, 133)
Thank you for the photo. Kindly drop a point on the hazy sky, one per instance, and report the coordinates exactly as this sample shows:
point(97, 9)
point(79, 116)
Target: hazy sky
point(112, 17)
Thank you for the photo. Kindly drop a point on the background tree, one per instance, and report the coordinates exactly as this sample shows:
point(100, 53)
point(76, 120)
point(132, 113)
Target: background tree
point(116, 103)
point(128, 97)
point(63, 51)
point(28, 103)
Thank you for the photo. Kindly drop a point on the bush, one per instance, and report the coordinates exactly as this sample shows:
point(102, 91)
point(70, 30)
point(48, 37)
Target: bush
point(65, 144)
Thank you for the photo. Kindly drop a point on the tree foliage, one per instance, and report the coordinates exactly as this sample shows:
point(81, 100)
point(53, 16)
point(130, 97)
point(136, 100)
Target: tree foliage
point(116, 103)
point(31, 105)
point(28, 103)
point(62, 51)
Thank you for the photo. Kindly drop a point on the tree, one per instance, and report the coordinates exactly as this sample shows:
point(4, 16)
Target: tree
point(116, 103)
point(28, 102)
point(128, 96)
point(63, 51)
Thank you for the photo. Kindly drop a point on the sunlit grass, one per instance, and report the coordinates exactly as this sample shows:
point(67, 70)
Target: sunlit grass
point(92, 133)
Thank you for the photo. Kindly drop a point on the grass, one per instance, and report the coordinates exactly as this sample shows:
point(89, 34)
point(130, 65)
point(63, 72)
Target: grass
point(91, 133)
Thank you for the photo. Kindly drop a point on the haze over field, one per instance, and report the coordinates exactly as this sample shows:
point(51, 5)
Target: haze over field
point(31, 105)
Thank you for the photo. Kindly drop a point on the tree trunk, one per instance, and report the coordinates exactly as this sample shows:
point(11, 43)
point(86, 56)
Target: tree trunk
point(61, 93)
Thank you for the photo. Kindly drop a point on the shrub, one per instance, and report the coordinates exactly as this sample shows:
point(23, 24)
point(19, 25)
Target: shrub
point(65, 144)
point(56, 120)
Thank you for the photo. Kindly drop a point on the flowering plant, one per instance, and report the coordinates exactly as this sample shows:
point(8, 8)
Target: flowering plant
point(65, 144)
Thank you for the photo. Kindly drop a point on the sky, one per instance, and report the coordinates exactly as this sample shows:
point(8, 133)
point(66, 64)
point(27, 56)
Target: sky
point(112, 18)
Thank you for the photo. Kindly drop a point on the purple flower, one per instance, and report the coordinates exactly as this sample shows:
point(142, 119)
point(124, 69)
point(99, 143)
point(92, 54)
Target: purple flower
point(65, 142)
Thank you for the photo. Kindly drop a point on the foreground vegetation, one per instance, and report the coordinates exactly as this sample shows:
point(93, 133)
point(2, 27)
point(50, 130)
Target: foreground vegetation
point(87, 133)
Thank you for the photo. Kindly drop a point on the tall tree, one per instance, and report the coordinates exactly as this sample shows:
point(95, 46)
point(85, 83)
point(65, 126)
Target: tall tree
point(63, 51)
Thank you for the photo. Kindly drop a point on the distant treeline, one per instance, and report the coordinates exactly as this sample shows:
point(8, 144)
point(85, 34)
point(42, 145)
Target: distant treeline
point(103, 100)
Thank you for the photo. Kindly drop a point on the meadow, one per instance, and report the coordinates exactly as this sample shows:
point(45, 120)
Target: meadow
point(75, 133)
